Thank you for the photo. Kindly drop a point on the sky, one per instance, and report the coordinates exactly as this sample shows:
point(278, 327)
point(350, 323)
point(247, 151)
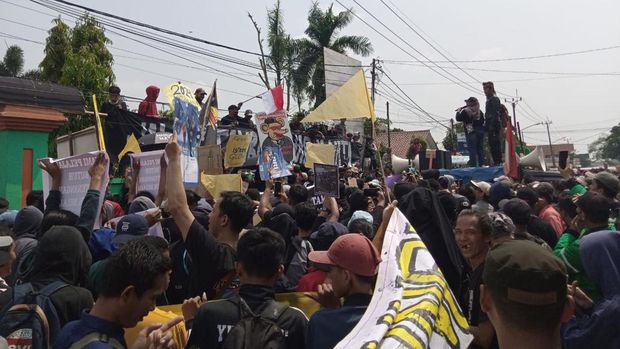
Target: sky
point(577, 92)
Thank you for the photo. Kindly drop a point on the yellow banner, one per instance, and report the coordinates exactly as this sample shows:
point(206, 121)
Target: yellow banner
point(237, 150)
point(178, 90)
point(215, 184)
point(319, 153)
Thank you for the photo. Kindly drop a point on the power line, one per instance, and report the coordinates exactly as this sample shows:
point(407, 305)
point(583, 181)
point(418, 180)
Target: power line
point(155, 28)
point(402, 49)
point(550, 55)
point(519, 71)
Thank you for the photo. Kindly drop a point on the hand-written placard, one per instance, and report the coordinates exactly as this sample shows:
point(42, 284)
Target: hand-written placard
point(326, 180)
point(210, 159)
point(150, 171)
point(237, 150)
point(75, 182)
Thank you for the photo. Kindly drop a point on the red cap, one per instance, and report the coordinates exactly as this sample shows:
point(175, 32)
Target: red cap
point(353, 252)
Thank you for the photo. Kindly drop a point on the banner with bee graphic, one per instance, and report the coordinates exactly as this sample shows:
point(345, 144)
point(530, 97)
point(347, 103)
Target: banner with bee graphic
point(412, 305)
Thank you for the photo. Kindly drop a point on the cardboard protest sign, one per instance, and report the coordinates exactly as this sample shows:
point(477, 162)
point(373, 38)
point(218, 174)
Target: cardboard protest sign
point(210, 159)
point(187, 127)
point(326, 180)
point(272, 125)
point(215, 184)
point(224, 134)
point(150, 171)
point(271, 164)
point(319, 153)
point(237, 150)
point(75, 181)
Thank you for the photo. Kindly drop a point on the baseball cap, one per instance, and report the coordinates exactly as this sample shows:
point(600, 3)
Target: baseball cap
point(5, 256)
point(353, 252)
point(233, 107)
point(114, 89)
point(526, 273)
point(482, 185)
point(471, 100)
point(359, 214)
point(199, 90)
point(609, 181)
point(502, 224)
point(326, 234)
point(130, 227)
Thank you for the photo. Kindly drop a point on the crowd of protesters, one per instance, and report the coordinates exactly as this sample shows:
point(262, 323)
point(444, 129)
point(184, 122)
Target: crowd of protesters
point(532, 264)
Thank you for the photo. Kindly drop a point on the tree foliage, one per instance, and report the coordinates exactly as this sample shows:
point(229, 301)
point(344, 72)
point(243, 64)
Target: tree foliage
point(450, 140)
point(13, 62)
point(78, 57)
point(323, 29)
point(57, 46)
point(607, 147)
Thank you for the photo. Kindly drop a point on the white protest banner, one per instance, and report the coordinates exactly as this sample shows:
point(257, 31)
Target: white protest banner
point(75, 181)
point(150, 170)
point(412, 302)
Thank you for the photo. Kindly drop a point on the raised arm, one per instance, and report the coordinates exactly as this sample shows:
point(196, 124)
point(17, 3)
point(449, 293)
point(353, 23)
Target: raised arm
point(161, 192)
point(90, 204)
point(177, 202)
point(135, 166)
point(53, 197)
point(264, 205)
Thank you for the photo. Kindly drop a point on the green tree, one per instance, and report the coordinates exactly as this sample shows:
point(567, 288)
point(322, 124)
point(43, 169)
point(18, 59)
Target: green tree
point(322, 31)
point(608, 147)
point(84, 62)
point(57, 46)
point(32, 74)
point(13, 62)
point(449, 141)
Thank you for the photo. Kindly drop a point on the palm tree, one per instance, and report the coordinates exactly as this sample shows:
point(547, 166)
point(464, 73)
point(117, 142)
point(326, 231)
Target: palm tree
point(322, 31)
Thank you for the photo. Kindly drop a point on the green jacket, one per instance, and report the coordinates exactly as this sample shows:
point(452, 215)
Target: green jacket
point(567, 249)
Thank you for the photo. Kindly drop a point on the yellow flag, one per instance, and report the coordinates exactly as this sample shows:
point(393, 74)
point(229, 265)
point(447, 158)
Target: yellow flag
point(215, 184)
point(237, 150)
point(131, 146)
point(319, 153)
point(350, 101)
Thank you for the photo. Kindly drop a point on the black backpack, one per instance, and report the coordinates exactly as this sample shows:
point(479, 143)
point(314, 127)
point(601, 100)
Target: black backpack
point(256, 331)
point(31, 320)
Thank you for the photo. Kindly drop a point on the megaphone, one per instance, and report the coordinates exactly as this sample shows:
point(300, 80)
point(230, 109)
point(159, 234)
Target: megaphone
point(399, 164)
point(535, 159)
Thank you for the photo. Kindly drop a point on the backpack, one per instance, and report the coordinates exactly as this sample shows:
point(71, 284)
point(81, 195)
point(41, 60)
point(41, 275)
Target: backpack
point(97, 337)
point(30, 320)
point(256, 331)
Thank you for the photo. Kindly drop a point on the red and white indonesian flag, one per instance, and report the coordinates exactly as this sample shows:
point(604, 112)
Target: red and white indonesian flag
point(511, 161)
point(273, 100)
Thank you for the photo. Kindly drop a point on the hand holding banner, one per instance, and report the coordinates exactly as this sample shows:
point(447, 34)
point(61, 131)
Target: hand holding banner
point(150, 171)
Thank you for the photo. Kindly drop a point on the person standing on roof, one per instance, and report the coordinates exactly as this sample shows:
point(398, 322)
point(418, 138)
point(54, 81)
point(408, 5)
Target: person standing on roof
point(148, 106)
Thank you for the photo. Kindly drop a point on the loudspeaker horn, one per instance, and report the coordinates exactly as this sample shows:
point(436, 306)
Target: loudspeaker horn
point(535, 159)
point(399, 164)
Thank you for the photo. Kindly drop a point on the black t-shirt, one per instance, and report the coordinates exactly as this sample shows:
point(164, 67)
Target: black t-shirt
point(212, 263)
point(470, 296)
point(217, 318)
point(542, 229)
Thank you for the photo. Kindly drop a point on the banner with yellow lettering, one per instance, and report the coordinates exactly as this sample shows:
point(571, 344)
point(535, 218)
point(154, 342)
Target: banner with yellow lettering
point(412, 303)
point(237, 150)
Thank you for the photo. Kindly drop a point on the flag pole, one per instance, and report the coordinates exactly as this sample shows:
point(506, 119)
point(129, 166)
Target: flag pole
point(204, 112)
point(98, 124)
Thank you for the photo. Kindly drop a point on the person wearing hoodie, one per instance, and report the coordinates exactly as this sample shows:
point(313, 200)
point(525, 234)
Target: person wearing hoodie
point(148, 106)
point(26, 229)
point(62, 255)
point(594, 324)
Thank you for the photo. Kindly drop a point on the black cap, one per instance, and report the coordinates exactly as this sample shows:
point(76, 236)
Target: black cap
point(471, 100)
point(233, 107)
point(521, 271)
point(114, 89)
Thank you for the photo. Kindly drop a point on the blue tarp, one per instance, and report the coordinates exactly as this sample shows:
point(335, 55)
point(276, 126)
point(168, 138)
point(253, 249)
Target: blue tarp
point(475, 173)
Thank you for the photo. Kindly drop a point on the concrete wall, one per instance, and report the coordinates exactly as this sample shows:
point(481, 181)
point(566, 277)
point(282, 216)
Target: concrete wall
point(12, 143)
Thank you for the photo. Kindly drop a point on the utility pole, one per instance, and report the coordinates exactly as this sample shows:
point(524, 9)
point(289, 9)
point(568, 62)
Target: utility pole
point(387, 109)
point(453, 132)
point(548, 122)
point(514, 101)
point(373, 73)
point(520, 136)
